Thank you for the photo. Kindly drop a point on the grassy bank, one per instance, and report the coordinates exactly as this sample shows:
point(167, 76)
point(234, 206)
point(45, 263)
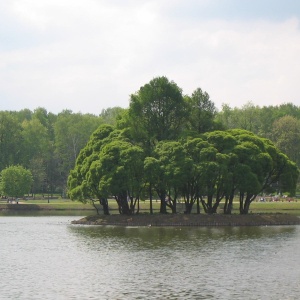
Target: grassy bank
point(261, 213)
point(68, 205)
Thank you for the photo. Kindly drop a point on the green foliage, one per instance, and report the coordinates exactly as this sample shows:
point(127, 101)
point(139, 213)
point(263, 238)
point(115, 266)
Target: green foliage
point(72, 131)
point(10, 139)
point(173, 166)
point(201, 112)
point(37, 147)
point(15, 181)
point(82, 180)
point(286, 136)
point(157, 148)
point(157, 112)
point(111, 115)
point(164, 143)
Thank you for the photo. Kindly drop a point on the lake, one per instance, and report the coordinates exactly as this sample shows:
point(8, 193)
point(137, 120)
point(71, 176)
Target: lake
point(48, 258)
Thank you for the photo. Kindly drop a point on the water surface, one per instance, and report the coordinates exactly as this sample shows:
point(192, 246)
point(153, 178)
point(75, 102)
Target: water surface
point(47, 258)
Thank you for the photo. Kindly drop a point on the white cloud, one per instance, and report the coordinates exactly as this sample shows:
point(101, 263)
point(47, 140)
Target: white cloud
point(89, 55)
point(240, 61)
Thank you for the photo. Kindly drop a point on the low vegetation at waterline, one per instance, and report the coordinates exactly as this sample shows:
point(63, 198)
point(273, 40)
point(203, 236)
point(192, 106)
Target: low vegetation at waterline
point(191, 220)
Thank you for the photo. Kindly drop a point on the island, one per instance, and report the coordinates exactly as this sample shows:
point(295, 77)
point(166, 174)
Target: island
point(195, 220)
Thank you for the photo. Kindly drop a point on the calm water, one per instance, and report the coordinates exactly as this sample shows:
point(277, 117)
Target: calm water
point(47, 258)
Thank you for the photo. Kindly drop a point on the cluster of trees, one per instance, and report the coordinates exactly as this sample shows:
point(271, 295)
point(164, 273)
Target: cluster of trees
point(172, 145)
point(280, 124)
point(15, 181)
point(48, 145)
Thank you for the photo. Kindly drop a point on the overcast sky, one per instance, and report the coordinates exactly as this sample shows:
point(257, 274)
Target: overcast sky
point(88, 55)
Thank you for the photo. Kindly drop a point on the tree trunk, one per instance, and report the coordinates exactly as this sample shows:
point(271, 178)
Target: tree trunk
point(241, 203)
point(150, 195)
point(138, 206)
point(123, 206)
point(216, 205)
point(188, 207)
point(246, 205)
point(225, 206)
point(209, 207)
point(104, 204)
point(173, 204)
point(204, 205)
point(163, 205)
point(94, 205)
point(198, 205)
point(228, 205)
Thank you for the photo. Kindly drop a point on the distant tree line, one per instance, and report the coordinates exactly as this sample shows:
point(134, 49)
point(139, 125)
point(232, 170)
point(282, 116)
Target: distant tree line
point(280, 124)
point(178, 146)
point(47, 144)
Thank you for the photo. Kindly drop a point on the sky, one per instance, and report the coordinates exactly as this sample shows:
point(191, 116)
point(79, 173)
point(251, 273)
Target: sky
point(89, 55)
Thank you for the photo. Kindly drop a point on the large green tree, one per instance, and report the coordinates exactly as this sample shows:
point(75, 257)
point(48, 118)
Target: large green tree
point(201, 112)
point(15, 181)
point(216, 173)
point(286, 136)
point(260, 166)
point(10, 140)
point(174, 167)
point(157, 112)
point(35, 141)
point(121, 169)
point(165, 144)
point(36, 151)
point(72, 131)
point(84, 179)
point(152, 172)
point(191, 189)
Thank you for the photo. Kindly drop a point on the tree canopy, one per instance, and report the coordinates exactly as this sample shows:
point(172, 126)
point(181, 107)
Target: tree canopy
point(160, 149)
point(15, 181)
point(157, 111)
point(51, 146)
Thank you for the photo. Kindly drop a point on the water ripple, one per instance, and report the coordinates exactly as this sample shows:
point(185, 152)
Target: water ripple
point(46, 258)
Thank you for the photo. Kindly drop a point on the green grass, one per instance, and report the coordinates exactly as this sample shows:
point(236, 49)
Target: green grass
point(54, 204)
point(275, 207)
point(66, 204)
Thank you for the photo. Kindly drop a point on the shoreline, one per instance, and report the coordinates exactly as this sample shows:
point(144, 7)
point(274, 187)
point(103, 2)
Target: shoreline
point(189, 220)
